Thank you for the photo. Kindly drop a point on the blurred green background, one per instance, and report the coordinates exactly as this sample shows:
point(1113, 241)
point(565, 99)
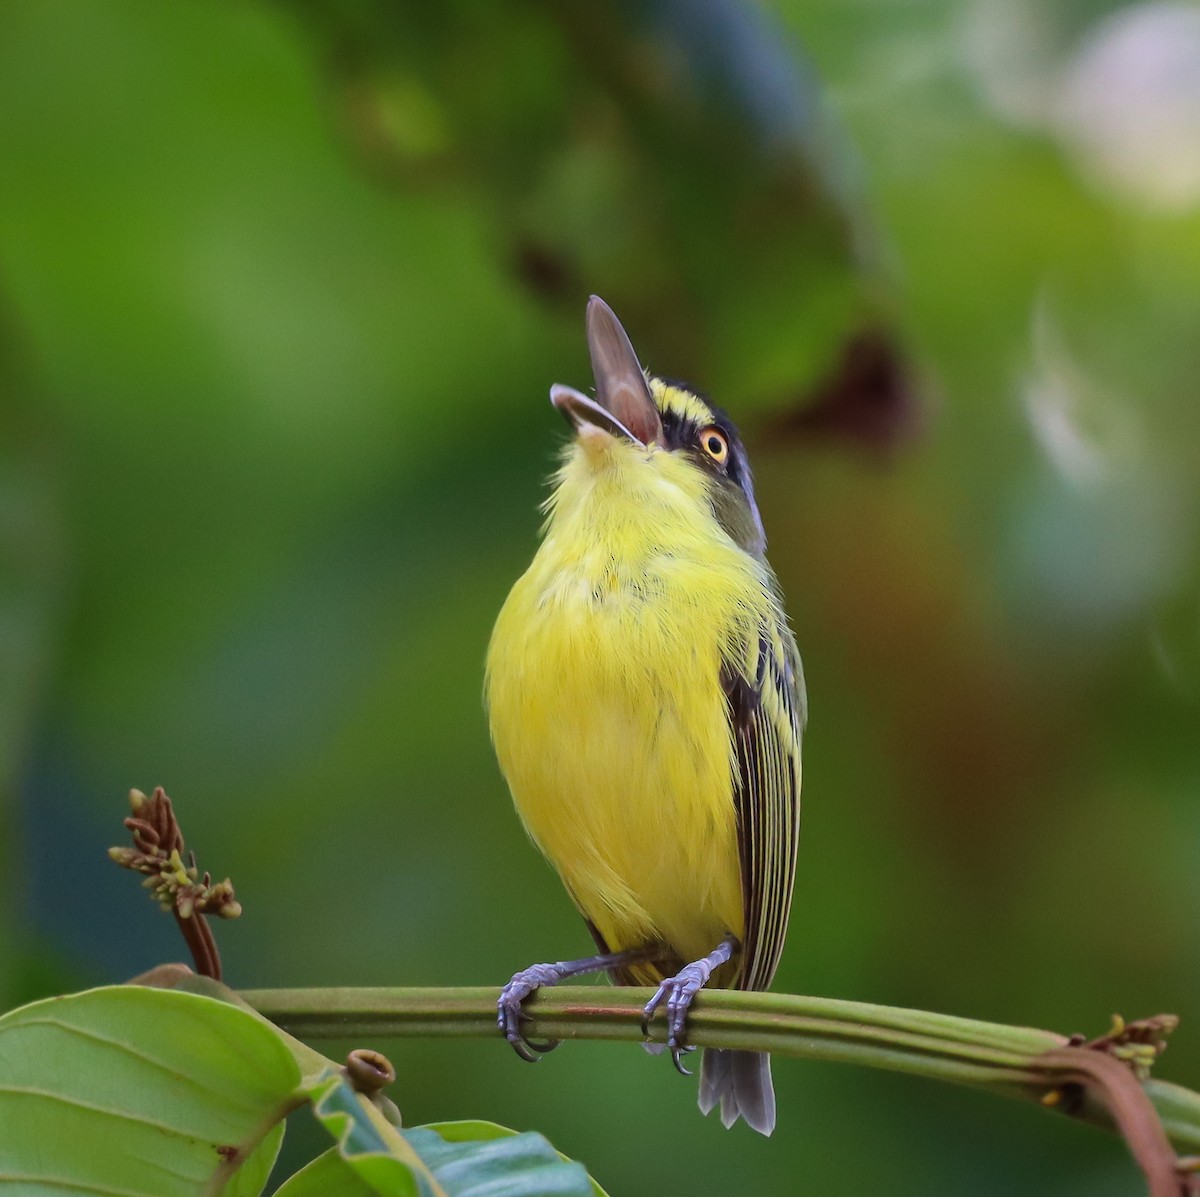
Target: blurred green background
point(282, 290)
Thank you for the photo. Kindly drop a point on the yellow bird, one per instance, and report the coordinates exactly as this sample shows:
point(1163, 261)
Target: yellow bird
point(646, 703)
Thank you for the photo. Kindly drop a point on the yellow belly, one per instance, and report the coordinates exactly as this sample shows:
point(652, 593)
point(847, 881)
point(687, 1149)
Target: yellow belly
point(611, 727)
point(617, 755)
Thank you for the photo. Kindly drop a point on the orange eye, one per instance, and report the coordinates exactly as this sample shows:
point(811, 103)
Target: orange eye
point(715, 444)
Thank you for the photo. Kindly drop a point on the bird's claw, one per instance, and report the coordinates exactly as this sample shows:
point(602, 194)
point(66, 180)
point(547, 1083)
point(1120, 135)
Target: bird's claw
point(510, 1016)
point(678, 992)
point(676, 1052)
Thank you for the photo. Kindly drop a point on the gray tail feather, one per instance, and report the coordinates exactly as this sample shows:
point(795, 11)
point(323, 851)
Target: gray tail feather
point(741, 1082)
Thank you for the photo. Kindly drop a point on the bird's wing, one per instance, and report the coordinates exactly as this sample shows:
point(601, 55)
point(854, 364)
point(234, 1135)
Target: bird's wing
point(767, 709)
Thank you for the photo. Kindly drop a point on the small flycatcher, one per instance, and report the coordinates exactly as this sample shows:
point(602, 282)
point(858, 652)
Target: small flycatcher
point(646, 701)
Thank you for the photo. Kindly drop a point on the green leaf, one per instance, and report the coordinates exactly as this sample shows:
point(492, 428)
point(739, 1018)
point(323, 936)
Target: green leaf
point(498, 1163)
point(136, 1091)
point(470, 1159)
point(373, 1148)
point(251, 1178)
point(453, 1159)
point(475, 1130)
point(468, 1130)
point(314, 1067)
point(329, 1175)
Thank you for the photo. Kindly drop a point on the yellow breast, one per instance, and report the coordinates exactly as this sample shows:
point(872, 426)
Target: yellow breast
point(605, 700)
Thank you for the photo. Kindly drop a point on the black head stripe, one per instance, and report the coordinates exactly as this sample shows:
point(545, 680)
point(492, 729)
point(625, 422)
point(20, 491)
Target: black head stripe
point(685, 412)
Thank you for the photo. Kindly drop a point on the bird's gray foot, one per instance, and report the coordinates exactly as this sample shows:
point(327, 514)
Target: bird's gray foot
point(510, 1015)
point(679, 992)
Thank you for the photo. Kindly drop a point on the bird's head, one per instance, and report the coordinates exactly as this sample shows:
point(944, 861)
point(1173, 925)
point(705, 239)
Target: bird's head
point(635, 419)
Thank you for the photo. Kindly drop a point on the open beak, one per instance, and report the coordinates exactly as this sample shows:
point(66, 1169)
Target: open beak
point(623, 405)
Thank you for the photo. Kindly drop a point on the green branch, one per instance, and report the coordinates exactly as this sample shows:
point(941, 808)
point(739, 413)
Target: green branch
point(1105, 1081)
point(1014, 1061)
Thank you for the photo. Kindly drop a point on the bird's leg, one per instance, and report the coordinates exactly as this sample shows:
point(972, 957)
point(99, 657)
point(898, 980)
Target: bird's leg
point(538, 976)
point(680, 990)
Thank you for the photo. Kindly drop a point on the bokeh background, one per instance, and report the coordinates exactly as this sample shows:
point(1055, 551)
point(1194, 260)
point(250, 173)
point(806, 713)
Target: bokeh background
point(282, 290)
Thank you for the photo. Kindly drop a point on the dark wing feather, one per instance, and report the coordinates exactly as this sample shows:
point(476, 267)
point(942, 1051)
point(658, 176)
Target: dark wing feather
point(767, 713)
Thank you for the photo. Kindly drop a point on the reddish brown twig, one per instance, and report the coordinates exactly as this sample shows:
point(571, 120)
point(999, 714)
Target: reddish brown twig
point(1111, 1068)
point(160, 853)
